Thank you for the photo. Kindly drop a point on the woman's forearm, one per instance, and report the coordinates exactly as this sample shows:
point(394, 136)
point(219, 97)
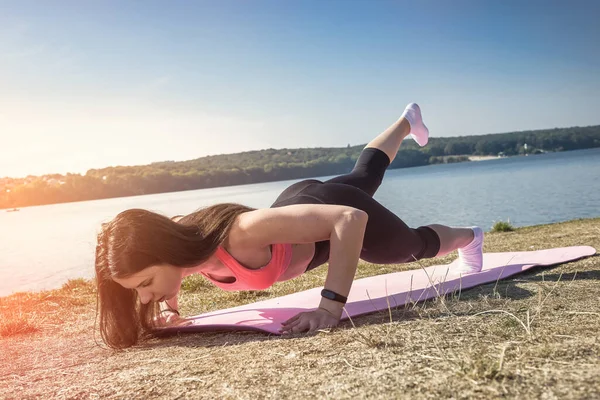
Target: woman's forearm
point(169, 304)
point(345, 246)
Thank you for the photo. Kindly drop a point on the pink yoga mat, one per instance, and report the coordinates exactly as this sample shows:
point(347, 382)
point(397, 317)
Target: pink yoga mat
point(369, 294)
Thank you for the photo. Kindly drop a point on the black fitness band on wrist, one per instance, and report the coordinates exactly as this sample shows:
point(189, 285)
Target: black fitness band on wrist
point(331, 295)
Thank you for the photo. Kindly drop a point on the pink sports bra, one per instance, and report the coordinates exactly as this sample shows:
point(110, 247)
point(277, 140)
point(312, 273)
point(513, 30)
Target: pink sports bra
point(254, 279)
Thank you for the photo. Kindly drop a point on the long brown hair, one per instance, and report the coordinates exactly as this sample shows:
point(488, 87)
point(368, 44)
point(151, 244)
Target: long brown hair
point(136, 239)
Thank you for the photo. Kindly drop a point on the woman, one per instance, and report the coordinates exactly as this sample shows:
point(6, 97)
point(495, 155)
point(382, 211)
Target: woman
point(142, 257)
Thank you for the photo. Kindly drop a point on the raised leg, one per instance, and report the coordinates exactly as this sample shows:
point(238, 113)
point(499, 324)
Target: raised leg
point(411, 122)
point(389, 141)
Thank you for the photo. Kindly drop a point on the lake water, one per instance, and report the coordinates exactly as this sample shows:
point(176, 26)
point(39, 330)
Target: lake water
point(42, 247)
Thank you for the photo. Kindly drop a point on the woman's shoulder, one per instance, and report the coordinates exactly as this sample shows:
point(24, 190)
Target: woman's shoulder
point(240, 246)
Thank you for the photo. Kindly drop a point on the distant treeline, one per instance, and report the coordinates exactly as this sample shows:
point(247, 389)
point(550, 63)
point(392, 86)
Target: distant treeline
point(274, 165)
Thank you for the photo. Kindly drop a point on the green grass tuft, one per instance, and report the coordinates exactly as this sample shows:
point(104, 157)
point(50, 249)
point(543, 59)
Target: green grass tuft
point(502, 226)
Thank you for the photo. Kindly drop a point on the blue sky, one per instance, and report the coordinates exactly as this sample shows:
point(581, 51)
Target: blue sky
point(99, 83)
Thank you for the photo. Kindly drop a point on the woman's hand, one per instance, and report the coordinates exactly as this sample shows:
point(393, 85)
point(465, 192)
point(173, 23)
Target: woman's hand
point(170, 318)
point(311, 320)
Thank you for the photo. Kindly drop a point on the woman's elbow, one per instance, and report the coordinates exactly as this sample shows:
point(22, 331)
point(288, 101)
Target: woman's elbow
point(356, 215)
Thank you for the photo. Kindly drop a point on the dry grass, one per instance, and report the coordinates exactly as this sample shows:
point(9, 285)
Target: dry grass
point(533, 336)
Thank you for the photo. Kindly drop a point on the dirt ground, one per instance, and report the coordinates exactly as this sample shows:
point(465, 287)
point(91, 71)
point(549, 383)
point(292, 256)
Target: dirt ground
point(535, 335)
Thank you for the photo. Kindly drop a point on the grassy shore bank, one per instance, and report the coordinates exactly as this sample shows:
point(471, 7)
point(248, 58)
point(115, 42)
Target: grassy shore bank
point(439, 348)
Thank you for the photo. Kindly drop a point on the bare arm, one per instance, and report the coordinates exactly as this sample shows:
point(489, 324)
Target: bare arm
point(345, 246)
point(169, 304)
point(173, 318)
point(343, 226)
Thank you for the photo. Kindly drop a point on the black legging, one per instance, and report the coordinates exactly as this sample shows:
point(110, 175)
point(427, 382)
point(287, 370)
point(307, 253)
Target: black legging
point(387, 240)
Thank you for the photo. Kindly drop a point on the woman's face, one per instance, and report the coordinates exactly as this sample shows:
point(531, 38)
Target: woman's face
point(155, 283)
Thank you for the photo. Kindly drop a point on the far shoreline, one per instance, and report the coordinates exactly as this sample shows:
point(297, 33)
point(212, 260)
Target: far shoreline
point(468, 158)
point(484, 158)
